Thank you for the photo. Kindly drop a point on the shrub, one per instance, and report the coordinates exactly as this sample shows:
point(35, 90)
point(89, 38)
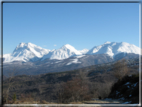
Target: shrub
point(14, 97)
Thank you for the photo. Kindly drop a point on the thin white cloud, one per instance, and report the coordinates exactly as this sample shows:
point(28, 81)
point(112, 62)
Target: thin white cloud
point(55, 45)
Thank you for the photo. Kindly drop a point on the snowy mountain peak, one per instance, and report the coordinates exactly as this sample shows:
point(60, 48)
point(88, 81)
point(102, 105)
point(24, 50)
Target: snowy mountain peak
point(64, 52)
point(21, 44)
point(70, 48)
point(67, 46)
point(107, 42)
point(113, 48)
point(24, 45)
point(25, 52)
point(32, 45)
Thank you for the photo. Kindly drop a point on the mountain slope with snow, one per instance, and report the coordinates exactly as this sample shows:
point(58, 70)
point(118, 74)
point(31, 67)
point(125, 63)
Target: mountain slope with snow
point(7, 57)
point(84, 51)
point(114, 48)
point(64, 52)
point(25, 52)
point(30, 52)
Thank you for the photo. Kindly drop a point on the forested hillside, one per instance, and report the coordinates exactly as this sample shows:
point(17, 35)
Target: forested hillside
point(78, 85)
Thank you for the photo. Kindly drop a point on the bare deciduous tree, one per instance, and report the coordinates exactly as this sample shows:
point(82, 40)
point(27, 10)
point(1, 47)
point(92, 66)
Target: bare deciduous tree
point(10, 83)
point(74, 90)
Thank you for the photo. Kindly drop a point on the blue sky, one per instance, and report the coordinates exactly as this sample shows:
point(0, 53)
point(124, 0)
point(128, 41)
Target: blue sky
point(82, 25)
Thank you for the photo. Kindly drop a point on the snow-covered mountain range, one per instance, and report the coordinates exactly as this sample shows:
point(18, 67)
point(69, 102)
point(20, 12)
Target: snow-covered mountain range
point(31, 52)
point(114, 48)
point(64, 52)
